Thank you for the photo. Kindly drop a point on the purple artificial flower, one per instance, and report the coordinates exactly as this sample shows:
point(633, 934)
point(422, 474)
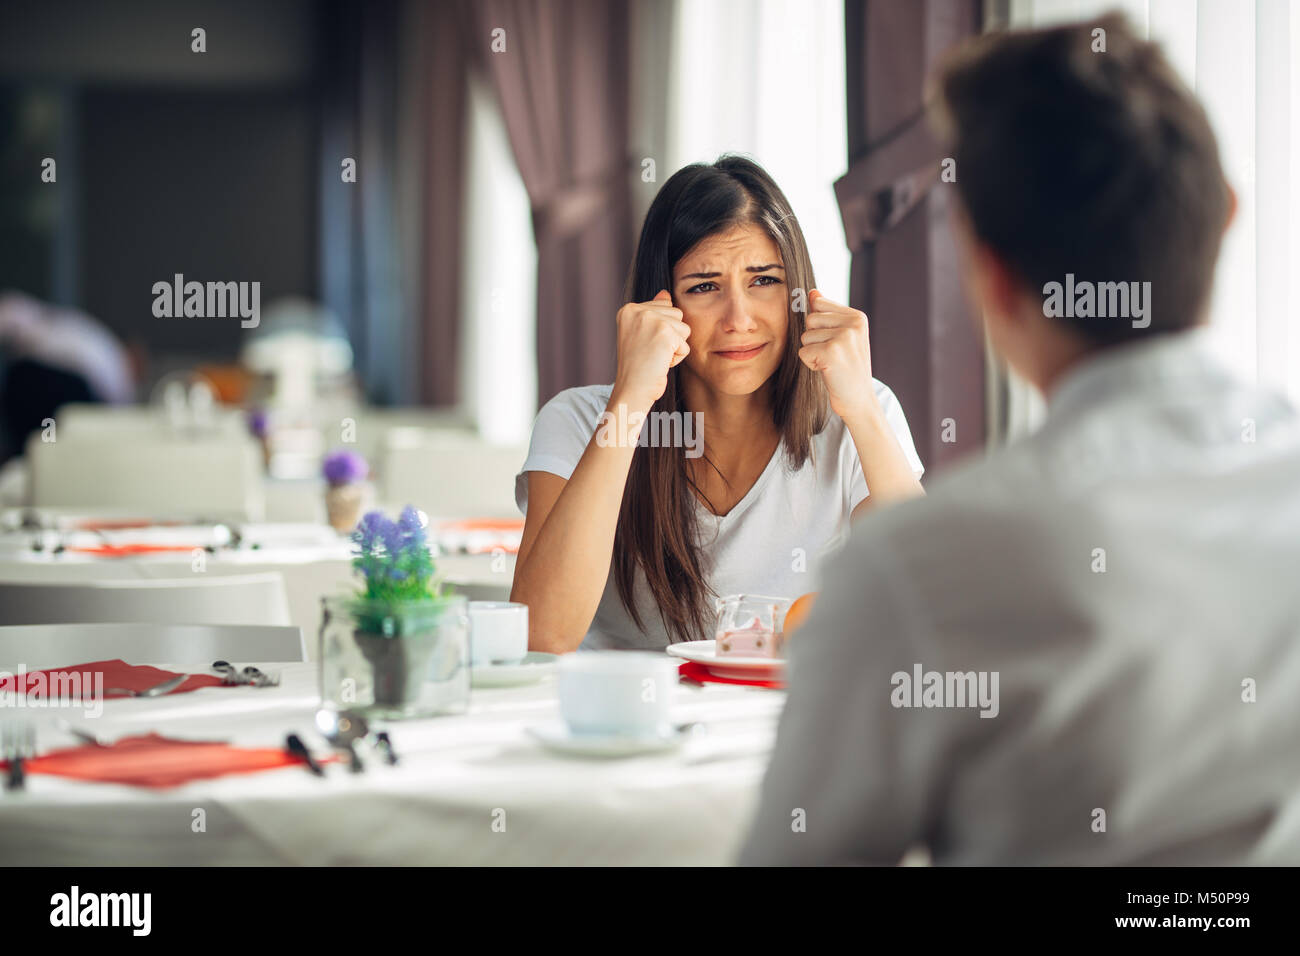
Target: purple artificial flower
point(259, 422)
point(393, 556)
point(368, 529)
point(345, 467)
point(409, 520)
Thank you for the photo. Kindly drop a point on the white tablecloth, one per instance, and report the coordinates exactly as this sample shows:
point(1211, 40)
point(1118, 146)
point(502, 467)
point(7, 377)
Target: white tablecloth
point(457, 776)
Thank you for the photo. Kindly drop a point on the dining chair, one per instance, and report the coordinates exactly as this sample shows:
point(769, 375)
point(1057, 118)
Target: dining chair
point(450, 476)
point(148, 474)
point(39, 646)
point(307, 577)
point(201, 599)
point(373, 428)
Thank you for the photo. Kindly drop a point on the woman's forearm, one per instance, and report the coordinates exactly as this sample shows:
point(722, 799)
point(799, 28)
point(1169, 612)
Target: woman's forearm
point(885, 467)
point(563, 575)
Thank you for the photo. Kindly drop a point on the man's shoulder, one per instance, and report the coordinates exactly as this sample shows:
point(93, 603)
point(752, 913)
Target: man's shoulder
point(1001, 508)
point(984, 483)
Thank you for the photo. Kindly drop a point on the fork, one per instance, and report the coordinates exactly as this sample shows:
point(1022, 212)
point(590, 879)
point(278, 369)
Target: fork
point(17, 743)
point(155, 691)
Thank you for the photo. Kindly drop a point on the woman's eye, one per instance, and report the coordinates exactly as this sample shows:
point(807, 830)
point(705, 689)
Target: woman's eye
point(713, 287)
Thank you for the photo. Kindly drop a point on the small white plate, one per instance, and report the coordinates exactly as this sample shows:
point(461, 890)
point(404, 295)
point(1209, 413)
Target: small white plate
point(557, 736)
point(534, 666)
point(737, 668)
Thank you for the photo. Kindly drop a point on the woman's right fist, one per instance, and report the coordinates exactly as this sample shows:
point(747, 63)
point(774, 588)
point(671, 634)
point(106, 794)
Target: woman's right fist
point(651, 340)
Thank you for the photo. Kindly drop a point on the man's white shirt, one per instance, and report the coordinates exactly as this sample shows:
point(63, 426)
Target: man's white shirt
point(1128, 580)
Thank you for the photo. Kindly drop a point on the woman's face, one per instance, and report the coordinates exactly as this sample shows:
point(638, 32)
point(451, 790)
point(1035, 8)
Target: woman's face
point(732, 291)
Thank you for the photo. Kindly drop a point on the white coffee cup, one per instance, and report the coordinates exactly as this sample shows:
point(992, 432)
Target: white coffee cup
point(498, 632)
point(618, 693)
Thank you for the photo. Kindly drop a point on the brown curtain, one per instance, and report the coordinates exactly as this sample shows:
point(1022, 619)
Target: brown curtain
point(895, 210)
point(445, 65)
point(563, 84)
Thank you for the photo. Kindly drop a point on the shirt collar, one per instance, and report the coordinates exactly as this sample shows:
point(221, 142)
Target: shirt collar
point(1165, 360)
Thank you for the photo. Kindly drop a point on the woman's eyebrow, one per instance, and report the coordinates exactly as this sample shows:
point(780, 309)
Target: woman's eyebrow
point(714, 275)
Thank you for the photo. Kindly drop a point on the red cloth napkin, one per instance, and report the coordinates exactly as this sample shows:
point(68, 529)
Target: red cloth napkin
point(116, 673)
point(127, 550)
point(699, 672)
point(503, 533)
point(120, 524)
point(152, 760)
point(483, 524)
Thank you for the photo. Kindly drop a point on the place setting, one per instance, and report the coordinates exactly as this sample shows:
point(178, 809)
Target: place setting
point(614, 704)
point(38, 703)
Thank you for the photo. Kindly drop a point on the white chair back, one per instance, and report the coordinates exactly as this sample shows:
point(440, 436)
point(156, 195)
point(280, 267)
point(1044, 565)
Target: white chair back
point(227, 599)
point(40, 646)
point(371, 428)
point(148, 475)
point(128, 422)
point(451, 476)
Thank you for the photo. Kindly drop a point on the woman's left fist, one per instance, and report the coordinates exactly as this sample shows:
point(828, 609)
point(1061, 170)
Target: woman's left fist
point(836, 343)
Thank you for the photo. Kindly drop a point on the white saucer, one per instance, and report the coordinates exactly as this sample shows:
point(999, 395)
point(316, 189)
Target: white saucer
point(534, 666)
point(737, 668)
point(557, 736)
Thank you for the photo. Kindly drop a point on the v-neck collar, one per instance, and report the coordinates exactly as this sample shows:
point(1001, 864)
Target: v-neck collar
point(750, 495)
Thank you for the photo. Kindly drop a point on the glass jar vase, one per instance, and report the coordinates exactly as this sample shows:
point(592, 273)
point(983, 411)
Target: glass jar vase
point(395, 660)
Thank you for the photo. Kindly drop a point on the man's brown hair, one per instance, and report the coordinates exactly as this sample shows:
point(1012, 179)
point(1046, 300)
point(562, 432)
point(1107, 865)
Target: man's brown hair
point(1083, 153)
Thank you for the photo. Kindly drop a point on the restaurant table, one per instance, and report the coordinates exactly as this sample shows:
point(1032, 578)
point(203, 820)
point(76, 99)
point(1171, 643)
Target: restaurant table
point(469, 789)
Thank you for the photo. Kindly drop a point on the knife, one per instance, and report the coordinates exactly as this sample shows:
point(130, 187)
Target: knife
point(385, 744)
point(295, 746)
point(17, 779)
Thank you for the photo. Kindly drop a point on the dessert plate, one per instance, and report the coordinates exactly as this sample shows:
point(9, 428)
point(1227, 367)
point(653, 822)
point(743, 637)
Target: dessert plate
point(737, 668)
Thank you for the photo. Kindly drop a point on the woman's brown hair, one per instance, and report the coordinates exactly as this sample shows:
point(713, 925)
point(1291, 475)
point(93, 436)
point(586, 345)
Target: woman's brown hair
point(657, 527)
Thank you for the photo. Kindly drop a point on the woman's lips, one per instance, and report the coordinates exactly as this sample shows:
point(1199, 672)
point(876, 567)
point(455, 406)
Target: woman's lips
point(739, 355)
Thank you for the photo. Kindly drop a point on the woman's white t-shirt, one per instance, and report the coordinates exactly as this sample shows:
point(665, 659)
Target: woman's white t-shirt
point(772, 542)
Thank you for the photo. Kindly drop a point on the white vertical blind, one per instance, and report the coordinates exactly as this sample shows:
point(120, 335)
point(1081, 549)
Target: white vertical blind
point(766, 78)
point(498, 356)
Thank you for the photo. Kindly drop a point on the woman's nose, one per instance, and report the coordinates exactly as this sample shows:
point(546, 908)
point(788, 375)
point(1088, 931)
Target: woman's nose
point(738, 316)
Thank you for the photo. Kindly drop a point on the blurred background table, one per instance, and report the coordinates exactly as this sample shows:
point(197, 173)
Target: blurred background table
point(313, 559)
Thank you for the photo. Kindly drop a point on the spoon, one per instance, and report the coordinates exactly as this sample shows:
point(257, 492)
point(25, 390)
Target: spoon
point(342, 728)
point(251, 675)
